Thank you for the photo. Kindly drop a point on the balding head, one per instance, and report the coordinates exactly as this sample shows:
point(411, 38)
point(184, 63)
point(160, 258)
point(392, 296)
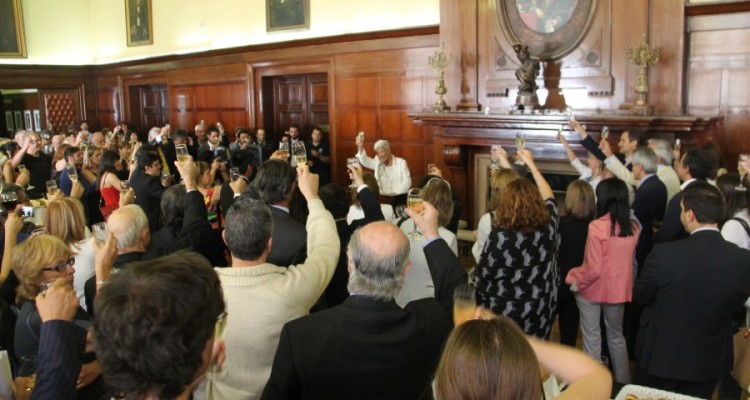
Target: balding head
point(129, 224)
point(378, 260)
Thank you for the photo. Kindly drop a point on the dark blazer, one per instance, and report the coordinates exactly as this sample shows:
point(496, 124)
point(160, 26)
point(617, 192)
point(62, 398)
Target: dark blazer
point(671, 226)
point(289, 246)
point(369, 349)
point(648, 206)
point(148, 190)
point(61, 344)
point(89, 288)
point(689, 289)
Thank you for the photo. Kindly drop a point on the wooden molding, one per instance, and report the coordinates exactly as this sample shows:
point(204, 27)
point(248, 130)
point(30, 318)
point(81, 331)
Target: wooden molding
point(717, 8)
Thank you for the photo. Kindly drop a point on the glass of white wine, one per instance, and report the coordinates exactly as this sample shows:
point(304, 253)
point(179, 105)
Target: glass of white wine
point(234, 174)
point(605, 132)
point(299, 153)
point(520, 144)
point(51, 187)
point(415, 203)
point(72, 172)
point(284, 147)
point(352, 161)
point(182, 153)
point(494, 157)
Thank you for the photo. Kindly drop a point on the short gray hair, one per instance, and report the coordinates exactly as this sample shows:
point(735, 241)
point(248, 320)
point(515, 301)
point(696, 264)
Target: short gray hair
point(382, 144)
point(647, 158)
point(663, 149)
point(129, 236)
point(376, 275)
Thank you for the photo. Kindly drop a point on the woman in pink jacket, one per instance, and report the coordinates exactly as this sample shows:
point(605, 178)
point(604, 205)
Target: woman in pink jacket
point(605, 280)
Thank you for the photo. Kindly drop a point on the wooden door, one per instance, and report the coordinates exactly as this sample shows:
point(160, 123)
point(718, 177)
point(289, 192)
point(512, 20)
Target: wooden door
point(154, 106)
point(301, 100)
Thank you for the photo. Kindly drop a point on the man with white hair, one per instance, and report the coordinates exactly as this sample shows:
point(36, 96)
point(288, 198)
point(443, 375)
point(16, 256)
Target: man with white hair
point(368, 346)
point(391, 172)
point(129, 225)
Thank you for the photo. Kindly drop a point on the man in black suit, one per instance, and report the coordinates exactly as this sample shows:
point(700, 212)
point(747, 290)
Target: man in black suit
point(368, 347)
point(149, 186)
point(650, 198)
point(689, 289)
point(694, 166)
point(275, 183)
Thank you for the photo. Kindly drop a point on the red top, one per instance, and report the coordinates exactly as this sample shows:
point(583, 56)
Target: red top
point(110, 195)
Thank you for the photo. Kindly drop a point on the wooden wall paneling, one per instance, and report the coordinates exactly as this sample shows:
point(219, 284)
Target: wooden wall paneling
point(317, 100)
point(108, 102)
point(666, 31)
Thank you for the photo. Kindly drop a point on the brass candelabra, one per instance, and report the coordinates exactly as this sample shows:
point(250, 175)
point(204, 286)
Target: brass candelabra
point(438, 62)
point(642, 56)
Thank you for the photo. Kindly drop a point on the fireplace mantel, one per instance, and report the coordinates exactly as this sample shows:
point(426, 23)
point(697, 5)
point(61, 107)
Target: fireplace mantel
point(459, 137)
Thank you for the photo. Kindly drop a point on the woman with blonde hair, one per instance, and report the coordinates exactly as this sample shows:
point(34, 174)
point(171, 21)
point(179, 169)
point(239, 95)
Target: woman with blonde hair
point(64, 218)
point(38, 262)
point(418, 282)
point(500, 179)
point(517, 275)
point(491, 359)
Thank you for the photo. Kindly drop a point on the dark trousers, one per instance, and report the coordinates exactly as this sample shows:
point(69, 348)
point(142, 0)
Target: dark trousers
point(703, 389)
point(568, 319)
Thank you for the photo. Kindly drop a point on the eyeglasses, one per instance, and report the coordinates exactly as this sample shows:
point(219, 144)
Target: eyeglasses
point(61, 267)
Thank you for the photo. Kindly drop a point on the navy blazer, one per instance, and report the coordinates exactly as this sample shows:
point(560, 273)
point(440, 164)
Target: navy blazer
point(689, 289)
point(61, 344)
point(369, 349)
point(648, 206)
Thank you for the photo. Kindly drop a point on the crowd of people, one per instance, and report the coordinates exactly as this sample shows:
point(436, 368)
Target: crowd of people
point(187, 266)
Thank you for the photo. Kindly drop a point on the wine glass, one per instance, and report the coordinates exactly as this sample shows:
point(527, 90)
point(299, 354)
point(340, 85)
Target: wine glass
point(742, 165)
point(124, 185)
point(182, 153)
point(22, 169)
point(677, 144)
point(284, 147)
point(352, 161)
point(520, 144)
point(234, 174)
point(605, 132)
point(100, 231)
point(494, 158)
point(415, 203)
point(9, 201)
point(51, 187)
point(72, 172)
point(299, 154)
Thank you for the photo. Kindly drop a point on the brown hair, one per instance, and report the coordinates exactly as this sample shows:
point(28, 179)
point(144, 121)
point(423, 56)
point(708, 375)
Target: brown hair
point(488, 360)
point(438, 193)
point(498, 182)
point(60, 152)
point(521, 208)
point(580, 202)
point(64, 218)
point(33, 254)
point(371, 183)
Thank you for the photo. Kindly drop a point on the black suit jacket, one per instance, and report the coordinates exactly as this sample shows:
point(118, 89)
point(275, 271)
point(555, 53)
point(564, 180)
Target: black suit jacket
point(61, 344)
point(369, 349)
point(289, 246)
point(689, 289)
point(648, 206)
point(148, 191)
point(671, 226)
point(89, 288)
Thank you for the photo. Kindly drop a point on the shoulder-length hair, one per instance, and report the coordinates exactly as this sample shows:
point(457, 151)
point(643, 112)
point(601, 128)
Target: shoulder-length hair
point(438, 193)
point(612, 198)
point(580, 202)
point(488, 359)
point(521, 208)
point(736, 200)
point(30, 256)
point(108, 161)
point(499, 181)
point(64, 218)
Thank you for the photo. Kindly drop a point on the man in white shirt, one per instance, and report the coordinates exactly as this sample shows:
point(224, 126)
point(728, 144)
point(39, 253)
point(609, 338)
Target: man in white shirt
point(391, 172)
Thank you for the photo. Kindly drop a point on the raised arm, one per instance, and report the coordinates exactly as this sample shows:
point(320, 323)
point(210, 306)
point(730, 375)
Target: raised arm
point(541, 183)
point(13, 225)
point(367, 199)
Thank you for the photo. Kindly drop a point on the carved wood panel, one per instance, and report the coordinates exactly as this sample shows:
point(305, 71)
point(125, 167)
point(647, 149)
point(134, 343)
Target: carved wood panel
point(61, 108)
point(219, 101)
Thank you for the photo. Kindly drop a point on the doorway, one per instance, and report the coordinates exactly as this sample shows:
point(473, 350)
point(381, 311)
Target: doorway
point(149, 106)
point(295, 99)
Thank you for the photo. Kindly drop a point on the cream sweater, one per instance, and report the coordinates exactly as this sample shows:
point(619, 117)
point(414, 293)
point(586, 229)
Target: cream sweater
point(261, 299)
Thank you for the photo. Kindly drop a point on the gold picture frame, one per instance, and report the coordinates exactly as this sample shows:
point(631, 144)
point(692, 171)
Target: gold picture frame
point(12, 36)
point(287, 14)
point(139, 26)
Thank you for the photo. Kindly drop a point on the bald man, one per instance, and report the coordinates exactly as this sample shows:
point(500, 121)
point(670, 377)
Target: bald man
point(129, 225)
point(369, 347)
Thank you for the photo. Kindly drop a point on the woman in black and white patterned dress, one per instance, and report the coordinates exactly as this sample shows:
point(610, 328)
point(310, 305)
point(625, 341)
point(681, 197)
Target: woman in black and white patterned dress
point(517, 274)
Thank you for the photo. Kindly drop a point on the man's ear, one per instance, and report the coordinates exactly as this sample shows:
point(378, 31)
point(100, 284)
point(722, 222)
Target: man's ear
point(224, 235)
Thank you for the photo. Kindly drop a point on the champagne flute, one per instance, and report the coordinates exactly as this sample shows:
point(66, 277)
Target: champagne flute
point(27, 373)
point(415, 203)
point(72, 172)
point(677, 144)
point(100, 231)
point(234, 174)
point(284, 147)
point(51, 187)
point(605, 132)
point(299, 154)
point(520, 144)
point(182, 153)
point(742, 166)
point(9, 201)
point(352, 161)
point(22, 169)
point(220, 329)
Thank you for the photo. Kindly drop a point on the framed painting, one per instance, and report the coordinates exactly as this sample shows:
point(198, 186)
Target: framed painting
point(37, 121)
point(139, 27)
point(9, 121)
point(287, 14)
point(12, 38)
point(19, 120)
point(27, 121)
